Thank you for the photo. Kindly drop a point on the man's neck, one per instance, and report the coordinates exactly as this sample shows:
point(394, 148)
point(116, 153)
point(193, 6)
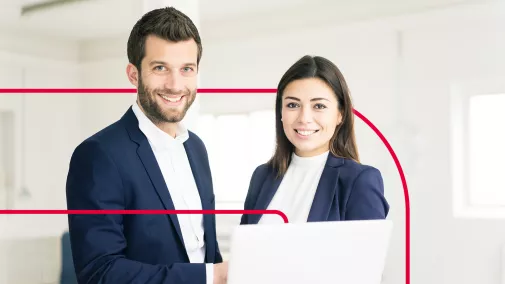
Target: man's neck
point(169, 128)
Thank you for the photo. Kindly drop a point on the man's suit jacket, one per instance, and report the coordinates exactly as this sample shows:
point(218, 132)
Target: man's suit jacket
point(116, 169)
point(346, 191)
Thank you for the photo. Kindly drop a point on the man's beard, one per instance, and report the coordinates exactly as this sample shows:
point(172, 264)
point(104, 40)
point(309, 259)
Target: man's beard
point(147, 100)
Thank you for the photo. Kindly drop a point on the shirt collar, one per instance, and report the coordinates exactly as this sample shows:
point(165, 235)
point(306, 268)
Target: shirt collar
point(157, 137)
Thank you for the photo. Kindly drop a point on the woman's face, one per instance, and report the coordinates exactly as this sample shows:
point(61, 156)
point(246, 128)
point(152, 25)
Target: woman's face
point(309, 115)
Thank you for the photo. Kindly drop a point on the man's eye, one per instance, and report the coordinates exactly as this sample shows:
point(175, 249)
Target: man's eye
point(188, 69)
point(159, 68)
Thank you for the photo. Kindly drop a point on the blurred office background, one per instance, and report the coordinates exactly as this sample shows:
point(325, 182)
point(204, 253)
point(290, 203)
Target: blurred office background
point(428, 73)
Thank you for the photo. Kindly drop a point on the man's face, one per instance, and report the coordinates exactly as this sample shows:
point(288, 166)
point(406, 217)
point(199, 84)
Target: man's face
point(167, 83)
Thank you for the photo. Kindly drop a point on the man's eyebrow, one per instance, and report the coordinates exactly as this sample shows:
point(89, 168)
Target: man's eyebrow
point(157, 62)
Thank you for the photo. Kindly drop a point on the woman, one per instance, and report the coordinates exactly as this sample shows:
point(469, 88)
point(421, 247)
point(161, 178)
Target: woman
point(315, 173)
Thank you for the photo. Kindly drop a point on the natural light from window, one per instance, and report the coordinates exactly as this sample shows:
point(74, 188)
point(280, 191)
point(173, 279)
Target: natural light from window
point(236, 144)
point(486, 150)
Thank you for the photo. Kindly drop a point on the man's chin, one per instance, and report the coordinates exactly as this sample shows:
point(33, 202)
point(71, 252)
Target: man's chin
point(174, 117)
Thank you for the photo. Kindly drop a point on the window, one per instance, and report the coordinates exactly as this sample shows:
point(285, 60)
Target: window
point(236, 144)
point(478, 150)
point(486, 150)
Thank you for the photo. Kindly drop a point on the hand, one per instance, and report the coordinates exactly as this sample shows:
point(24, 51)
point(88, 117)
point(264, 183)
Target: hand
point(221, 273)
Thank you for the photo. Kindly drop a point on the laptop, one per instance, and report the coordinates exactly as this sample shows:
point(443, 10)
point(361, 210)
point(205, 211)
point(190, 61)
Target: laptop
point(343, 252)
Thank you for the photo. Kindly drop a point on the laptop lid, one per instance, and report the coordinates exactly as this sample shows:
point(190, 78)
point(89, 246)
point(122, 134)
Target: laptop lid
point(350, 252)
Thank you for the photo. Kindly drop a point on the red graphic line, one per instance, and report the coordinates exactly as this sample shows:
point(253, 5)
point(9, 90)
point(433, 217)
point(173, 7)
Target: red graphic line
point(405, 191)
point(125, 90)
point(124, 212)
point(244, 91)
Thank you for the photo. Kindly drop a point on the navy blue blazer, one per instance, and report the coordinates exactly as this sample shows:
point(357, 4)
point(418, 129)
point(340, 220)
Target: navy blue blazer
point(346, 191)
point(116, 169)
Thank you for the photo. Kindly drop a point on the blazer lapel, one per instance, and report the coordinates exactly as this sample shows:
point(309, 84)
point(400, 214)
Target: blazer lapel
point(206, 200)
point(197, 169)
point(326, 190)
point(267, 192)
point(148, 159)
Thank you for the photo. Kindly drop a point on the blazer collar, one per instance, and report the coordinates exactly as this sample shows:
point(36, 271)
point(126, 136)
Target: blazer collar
point(325, 191)
point(131, 123)
point(158, 139)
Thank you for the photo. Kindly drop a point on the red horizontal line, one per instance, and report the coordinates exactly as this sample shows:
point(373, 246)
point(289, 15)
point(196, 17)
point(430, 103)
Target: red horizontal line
point(129, 212)
point(123, 91)
point(241, 91)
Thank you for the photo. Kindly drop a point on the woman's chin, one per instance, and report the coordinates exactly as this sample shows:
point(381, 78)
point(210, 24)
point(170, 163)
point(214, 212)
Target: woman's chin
point(309, 150)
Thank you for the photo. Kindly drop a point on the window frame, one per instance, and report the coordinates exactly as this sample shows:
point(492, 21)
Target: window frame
point(460, 95)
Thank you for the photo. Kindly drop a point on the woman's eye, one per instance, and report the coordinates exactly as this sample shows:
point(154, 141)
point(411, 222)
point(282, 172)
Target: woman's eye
point(320, 106)
point(292, 105)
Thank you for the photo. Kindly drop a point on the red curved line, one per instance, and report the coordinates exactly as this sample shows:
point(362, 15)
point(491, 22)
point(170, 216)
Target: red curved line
point(405, 190)
point(125, 212)
point(361, 116)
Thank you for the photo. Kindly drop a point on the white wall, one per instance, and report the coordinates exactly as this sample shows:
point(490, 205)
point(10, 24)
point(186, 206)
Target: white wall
point(46, 121)
point(103, 65)
point(46, 131)
point(435, 59)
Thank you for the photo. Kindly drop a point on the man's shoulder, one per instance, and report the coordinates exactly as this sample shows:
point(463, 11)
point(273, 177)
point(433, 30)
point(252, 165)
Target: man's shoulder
point(112, 133)
point(106, 139)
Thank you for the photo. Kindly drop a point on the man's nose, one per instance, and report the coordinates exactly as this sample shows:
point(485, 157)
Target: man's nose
point(174, 81)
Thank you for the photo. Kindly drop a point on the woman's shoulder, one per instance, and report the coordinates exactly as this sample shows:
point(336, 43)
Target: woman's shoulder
point(353, 169)
point(262, 171)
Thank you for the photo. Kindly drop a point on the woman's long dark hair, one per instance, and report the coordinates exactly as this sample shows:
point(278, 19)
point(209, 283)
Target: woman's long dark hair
point(343, 141)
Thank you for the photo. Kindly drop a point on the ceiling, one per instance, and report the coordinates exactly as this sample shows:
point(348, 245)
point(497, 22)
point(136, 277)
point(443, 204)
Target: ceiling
point(95, 19)
point(85, 19)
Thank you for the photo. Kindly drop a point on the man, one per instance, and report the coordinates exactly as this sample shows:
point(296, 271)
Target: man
point(148, 160)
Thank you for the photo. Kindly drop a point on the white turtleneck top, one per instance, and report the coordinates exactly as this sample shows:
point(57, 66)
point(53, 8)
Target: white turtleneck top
point(296, 192)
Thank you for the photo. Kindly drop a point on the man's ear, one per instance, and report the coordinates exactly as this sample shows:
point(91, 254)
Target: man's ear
point(133, 74)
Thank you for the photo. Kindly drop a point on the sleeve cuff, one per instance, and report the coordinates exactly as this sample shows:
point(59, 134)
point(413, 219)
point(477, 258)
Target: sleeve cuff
point(210, 273)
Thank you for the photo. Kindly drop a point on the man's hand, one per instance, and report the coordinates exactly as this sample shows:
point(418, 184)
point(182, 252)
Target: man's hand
point(221, 273)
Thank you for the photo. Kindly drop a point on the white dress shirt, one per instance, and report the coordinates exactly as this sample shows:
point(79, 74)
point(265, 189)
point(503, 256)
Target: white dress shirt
point(174, 165)
point(298, 187)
